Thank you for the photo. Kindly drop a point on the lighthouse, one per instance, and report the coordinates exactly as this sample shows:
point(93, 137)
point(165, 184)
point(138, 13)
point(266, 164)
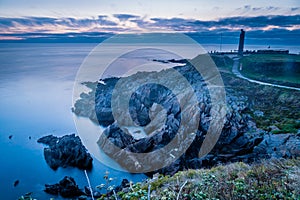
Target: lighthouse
point(241, 43)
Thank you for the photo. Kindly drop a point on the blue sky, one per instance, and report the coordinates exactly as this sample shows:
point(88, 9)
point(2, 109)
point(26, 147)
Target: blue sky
point(23, 19)
point(196, 9)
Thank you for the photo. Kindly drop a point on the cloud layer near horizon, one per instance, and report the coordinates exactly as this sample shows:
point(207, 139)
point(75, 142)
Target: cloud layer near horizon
point(103, 25)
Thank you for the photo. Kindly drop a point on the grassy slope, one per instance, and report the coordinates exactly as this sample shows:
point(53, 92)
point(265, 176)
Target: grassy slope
point(275, 179)
point(281, 107)
point(272, 58)
point(249, 63)
point(267, 180)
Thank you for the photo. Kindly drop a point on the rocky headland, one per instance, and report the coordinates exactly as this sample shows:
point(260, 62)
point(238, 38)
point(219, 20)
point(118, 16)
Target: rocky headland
point(242, 137)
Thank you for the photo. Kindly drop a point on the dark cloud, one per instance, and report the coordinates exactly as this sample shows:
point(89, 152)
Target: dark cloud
point(248, 8)
point(256, 8)
point(275, 26)
point(244, 8)
point(272, 8)
point(233, 22)
point(177, 24)
point(39, 21)
point(295, 9)
point(124, 17)
point(260, 21)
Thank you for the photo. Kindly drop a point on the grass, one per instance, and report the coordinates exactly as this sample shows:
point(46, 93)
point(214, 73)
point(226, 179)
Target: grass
point(273, 68)
point(272, 179)
point(268, 58)
point(281, 107)
point(289, 126)
point(222, 62)
point(281, 79)
point(285, 121)
point(288, 78)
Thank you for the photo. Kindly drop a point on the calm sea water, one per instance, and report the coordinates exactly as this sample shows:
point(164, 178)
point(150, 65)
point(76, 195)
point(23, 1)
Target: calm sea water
point(36, 82)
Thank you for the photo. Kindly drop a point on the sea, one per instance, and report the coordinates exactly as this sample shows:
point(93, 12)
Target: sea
point(36, 88)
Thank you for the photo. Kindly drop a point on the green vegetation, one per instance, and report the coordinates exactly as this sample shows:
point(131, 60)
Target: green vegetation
point(222, 62)
point(277, 123)
point(280, 107)
point(274, 68)
point(273, 179)
point(269, 58)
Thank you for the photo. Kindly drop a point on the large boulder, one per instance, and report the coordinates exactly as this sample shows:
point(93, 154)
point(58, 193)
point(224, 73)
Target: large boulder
point(67, 188)
point(66, 151)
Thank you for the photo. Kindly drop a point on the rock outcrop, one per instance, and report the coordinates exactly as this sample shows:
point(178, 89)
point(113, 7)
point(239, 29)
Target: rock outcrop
point(158, 110)
point(67, 188)
point(66, 151)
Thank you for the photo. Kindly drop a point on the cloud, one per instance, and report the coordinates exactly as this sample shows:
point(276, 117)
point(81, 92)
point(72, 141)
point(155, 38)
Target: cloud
point(250, 23)
point(256, 9)
point(124, 17)
point(272, 8)
point(261, 21)
point(295, 9)
point(247, 9)
point(104, 25)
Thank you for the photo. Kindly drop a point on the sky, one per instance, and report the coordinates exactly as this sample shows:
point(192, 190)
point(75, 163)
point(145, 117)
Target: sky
point(36, 19)
point(196, 9)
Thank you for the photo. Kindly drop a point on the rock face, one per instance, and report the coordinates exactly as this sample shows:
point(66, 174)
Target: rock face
point(278, 146)
point(67, 188)
point(66, 151)
point(240, 139)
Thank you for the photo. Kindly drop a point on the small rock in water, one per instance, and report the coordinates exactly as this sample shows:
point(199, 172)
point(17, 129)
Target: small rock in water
point(9, 137)
point(16, 183)
point(66, 151)
point(67, 188)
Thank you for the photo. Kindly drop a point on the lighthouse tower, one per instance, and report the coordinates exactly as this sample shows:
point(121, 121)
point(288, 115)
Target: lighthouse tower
point(241, 43)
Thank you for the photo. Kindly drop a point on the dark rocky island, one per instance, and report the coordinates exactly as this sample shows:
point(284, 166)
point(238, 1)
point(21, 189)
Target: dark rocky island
point(240, 140)
point(67, 188)
point(66, 151)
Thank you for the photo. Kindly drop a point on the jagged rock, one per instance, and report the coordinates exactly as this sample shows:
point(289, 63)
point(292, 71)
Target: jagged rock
point(278, 146)
point(67, 188)
point(240, 139)
point(66, 151)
